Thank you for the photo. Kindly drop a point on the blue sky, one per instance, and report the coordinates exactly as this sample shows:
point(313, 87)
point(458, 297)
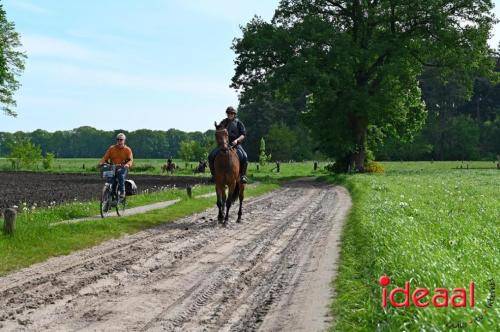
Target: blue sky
point(130, 64)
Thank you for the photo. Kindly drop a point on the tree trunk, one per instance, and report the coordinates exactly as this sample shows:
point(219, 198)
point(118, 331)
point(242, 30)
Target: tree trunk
point(359, 128)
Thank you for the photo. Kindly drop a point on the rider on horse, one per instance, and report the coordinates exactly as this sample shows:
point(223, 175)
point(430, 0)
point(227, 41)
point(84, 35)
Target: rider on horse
point(237, 132)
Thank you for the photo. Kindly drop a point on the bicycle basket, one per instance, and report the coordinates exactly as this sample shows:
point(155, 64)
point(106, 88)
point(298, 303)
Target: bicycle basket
point(108, 171)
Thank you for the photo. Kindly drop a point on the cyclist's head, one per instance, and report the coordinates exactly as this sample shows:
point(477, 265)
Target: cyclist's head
point(120, 138)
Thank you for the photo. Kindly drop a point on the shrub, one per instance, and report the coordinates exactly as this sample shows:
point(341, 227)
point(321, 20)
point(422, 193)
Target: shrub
point(47, 161)
point(374, 167)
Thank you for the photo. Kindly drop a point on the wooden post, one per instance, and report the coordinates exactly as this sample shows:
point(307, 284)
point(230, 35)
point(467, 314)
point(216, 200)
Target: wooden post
point(257, 167)
point(9, 225)
point(189, 190)
point(277, 167)
point(315, 165)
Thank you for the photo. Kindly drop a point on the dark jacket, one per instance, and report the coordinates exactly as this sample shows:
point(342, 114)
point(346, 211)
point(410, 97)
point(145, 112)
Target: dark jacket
point(235, 128)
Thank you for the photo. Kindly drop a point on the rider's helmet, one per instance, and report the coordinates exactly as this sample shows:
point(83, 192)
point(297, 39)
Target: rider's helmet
point(231, 109)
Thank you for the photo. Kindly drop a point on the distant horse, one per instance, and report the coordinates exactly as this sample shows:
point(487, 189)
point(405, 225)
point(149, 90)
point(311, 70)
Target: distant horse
point(202, 165)
point(227, 173)
point(169, 167)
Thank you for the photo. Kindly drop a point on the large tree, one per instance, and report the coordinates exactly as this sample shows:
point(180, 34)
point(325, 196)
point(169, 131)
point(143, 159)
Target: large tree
point(358, 62)
point(11, 63)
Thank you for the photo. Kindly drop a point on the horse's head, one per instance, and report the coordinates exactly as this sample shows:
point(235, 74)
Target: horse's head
point(221, 137)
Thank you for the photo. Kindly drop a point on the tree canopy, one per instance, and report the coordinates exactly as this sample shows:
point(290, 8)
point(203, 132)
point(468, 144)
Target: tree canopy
point(11, 63)
point(357, 64)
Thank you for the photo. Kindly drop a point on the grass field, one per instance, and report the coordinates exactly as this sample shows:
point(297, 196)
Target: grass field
point(261, 173)
point(427, 223)
point(83, 165)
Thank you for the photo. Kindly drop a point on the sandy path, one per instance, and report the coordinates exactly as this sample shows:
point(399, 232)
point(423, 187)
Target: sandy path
point(271, 272)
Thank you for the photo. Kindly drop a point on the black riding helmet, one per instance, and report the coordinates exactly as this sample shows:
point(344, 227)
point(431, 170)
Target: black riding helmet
point(231, 109)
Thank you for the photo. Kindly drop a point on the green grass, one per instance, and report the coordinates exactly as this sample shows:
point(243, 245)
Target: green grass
point(426, 223)
point(35, 239)
point(288, 171)
point(86, 165)
point(266, 172)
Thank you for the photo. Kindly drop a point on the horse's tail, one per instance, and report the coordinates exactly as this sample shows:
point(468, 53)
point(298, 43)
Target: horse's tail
point(236, 192)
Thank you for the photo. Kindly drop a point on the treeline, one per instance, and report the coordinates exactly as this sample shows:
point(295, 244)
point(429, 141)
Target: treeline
point(461, 124)
point(88, 142)
point(457, 127)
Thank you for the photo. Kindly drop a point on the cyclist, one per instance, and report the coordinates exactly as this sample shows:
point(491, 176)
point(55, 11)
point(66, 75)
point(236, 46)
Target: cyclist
point(119, 155)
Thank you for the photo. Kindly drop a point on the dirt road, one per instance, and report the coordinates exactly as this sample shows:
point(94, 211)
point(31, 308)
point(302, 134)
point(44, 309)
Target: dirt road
point(272, 272)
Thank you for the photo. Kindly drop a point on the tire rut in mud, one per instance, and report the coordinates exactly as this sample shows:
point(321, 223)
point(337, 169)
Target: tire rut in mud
point(193, 275)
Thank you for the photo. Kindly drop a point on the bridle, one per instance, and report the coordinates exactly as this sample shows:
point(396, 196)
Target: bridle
point(226, 146)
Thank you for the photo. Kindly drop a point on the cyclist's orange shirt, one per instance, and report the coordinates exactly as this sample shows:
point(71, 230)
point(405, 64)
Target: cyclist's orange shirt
point(119, 156)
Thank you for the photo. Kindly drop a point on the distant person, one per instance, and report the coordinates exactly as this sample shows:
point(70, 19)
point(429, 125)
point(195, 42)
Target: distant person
point(119, 155)
point(237, 133)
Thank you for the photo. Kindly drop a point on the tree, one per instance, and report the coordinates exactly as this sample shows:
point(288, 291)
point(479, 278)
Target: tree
point(358, 63)
point(24, 154)
point(281, 142)
point(11, 63)
point(263, 157)
point(192, 151)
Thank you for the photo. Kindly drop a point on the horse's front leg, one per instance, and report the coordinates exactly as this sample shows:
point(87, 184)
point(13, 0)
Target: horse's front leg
point(220, 205)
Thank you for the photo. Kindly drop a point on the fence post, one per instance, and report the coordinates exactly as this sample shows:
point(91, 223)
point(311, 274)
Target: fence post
point(9, 225)
point(189, 190)
point(315, 165)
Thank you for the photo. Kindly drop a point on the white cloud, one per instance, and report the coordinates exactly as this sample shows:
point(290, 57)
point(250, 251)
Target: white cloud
point(27, 6)
point(76, 75)
point(37, 45)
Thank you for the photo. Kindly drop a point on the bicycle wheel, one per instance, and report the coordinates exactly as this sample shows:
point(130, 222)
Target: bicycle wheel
point(120, 206)
point(105, 203)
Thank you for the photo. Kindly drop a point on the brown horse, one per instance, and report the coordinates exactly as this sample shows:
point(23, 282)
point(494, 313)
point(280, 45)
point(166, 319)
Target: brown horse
point(227, 173)
point(168, 167)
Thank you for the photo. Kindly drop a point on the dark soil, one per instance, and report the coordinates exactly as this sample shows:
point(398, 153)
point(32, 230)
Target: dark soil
point(44, 188)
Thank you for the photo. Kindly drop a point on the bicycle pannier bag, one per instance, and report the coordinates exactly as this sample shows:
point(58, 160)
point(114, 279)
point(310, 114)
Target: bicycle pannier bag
point(130, 188)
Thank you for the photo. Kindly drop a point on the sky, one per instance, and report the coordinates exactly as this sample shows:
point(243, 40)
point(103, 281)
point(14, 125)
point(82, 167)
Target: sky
point(110, 64)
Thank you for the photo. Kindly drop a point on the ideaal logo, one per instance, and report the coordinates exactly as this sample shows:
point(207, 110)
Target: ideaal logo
point(422, 297)
point(440, 297)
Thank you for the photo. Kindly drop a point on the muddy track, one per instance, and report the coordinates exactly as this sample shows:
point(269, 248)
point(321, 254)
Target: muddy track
point(271, 272)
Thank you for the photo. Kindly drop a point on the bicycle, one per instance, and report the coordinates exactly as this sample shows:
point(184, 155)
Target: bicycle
point(110, 199)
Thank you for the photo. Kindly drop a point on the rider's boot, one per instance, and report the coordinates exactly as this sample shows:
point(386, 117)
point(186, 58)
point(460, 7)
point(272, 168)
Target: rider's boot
point(243, 173)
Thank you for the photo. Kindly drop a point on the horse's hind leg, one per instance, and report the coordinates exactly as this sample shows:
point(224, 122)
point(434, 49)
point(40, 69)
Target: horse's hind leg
point(241, 196)
point(228, 206)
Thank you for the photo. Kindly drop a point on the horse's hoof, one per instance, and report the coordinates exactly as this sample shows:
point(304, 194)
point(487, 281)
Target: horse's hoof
point(238, 220)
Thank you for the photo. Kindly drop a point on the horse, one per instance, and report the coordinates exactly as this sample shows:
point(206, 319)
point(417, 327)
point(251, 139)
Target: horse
point(202, 165)
point(227, 173)
point(169, 167)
